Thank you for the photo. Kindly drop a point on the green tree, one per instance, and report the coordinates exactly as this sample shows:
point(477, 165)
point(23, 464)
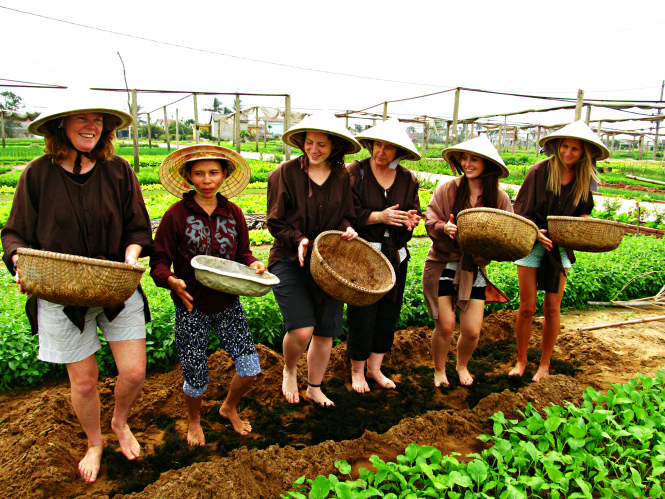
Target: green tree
point(10, 102)
point(217, 107)
point(156, 132)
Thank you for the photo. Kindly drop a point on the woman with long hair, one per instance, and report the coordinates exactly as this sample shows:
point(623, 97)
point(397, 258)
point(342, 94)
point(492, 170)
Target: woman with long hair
point(560, 186)
point(307, 196)
point(451, 278)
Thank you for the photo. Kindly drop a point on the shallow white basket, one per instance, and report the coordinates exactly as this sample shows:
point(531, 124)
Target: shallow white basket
point(232, 277)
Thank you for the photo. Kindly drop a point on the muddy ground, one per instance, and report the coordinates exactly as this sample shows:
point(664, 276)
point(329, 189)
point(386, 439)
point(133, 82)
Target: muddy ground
point(41, 440)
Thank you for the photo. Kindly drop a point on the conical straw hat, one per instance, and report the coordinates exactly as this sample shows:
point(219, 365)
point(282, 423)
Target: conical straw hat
point(577, 130)
point(172, 169)
point(390, 131)
point(321, 122)
point(480, 146)
point(76, 103)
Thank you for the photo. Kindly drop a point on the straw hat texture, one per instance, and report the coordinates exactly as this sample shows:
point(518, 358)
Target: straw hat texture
point(390, 131)
point(172, 169)
point(480, 146)
point(320, 122)
point(577, 130)
point(75, 103)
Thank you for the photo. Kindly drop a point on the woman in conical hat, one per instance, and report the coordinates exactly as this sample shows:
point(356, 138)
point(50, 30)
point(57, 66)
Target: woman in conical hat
point(451, 278)
point(387, 194)
point(560, 185)
point(306, 196)
point(81, 199)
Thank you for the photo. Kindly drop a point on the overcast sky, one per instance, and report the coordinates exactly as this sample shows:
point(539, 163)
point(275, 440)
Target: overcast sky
point(356, 53)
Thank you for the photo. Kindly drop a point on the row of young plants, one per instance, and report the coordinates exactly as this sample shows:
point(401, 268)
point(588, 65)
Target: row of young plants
point(595, 277)
point(612, 445)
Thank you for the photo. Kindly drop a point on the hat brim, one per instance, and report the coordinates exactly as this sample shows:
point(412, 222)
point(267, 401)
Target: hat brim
point(480, 146)
point(324, 124)
point(390, 131)
point(171, 173)
point(38, 126)
point(580, 131)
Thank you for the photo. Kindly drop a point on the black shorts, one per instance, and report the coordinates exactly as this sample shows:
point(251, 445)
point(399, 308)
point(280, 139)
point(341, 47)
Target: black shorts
point(446, 287)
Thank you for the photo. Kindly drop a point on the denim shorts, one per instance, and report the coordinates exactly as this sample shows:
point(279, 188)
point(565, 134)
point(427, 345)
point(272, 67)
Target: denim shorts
point(534, 258)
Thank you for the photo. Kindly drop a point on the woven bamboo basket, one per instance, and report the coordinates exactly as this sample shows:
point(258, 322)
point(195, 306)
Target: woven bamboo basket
point(352, 272)
point(232, 277)
point(495, 234)
point(76, 280)
point(586, 234)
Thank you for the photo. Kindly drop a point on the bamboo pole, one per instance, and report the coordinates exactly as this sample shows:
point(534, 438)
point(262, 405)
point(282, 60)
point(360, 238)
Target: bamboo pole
point(455, 113)
point(265, 133)
point(196, 120)
point(612, 145)
point(425, 130)
point(347, 120)
point(499, 145)
point(177, 130)
point(237, 123)
point(579, 104)
point(635, 321)
point(537, 144)
point(622, 304)
point(514, 139)
point(287, 125)
point(149, 134)
point(385, 111)
point(2, 120)
point(135, 131)
point(471, 126)
point(168, 133)
point(639, 156)
point(447, 132)
point(257, 128)
point(588, 114)
point(642, 179)
point(655, 142)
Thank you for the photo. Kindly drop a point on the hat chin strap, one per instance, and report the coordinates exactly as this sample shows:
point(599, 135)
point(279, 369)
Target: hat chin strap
point(79, 154)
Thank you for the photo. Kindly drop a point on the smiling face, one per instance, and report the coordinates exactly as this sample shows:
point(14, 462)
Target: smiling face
point(317, 147)
point(383, 153)
point(570, 151)
point(206, 176)
point(472, 165)
point(84, 130)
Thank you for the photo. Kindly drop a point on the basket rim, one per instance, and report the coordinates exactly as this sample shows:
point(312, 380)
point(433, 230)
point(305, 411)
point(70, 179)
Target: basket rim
point(514, 216)
point(271, 280)
point(341, 279)
point(614, 223)
point(64, 257)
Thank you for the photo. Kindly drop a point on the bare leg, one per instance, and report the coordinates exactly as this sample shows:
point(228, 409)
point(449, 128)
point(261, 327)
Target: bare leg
point(443, 331)
point(293, 345)
point(130, 360)
point(318, 357)
point(471, 322)
point(239, 387)
point(551, 327)
point(358, 381)
point(85, 400)
point(374, 371)
point(527, 284)
point(195, 434)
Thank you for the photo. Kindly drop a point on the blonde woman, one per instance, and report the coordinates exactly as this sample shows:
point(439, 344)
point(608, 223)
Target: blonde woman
point(561, 186)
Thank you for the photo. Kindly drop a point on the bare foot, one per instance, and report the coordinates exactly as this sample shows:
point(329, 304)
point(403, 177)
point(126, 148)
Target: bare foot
point(290, 387)
point(128, 443)
point(195, 434)
point(464, 376)
point(518, 370)
point(90, 464)
point(240, 426)
point(358, 381)
point(316, 395)
point(542, 372)
point(440, 379)
point(381, 379)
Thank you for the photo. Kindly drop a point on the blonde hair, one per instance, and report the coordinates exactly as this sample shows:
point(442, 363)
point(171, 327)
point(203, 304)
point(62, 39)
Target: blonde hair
point(583, 167)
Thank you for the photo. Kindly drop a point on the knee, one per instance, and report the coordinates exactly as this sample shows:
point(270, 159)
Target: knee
point(84, 387)
point(444, 328)
point(301, 336)
point(551, 310)
point(527, 310)
point(134, 375)
point(470, 334)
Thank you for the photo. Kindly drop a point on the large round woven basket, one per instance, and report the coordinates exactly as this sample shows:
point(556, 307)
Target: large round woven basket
point(232, 277)
point(76, 280)
point(353, 272)
point(495, 234)
point(585, 234)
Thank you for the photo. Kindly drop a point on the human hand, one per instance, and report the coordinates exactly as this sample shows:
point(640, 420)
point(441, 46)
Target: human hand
point(450, 228)
point(413, 219)
point(179, 286)
point(349, 234)
point(302, 251)
point(393, 216)
point(544, 240)
point(132, 253)
point(259, 266)
point(18, 281)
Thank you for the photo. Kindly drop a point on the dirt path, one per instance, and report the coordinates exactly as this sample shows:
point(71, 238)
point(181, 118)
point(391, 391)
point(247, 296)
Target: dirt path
point(41, 441)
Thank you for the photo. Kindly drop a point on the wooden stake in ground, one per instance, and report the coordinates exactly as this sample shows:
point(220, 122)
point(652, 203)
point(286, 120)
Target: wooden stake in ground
point(177, 130)
point(636, 321)
point(385, 111)
point(455, 113)
point(538, 142)
point(166, 129)
point(287, 125)
point(579, 104)
point(237, 124)
point(149, 134)
point(135, 131)
point(257, 128)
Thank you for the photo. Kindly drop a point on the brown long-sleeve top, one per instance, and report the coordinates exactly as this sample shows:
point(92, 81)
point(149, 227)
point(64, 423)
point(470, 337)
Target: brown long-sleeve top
point(536, 203)
point(444, 250)
point(98, 218)
point(403, 192)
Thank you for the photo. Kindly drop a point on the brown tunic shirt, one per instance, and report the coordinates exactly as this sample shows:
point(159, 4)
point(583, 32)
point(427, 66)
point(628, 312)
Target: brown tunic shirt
point(403, 192)
point(444, 250)
point(535, 202)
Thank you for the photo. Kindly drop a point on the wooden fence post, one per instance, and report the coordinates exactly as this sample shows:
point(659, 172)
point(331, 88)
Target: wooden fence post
point(135, 131)
point(425, 134)
point(499, 144)
point(265, 132)
point(455, 113)
point(2, 120)
point(177, 130)
point(514, 139)
point(149, 134)
point(639, 157)
point(287, 125)
point(447, 132)
point(385, 111)
point(196, 120)
point(588, 114)
point(257, 128)
point(537, 144)
point(237, 124)
point(579, 104)
point(166, 128)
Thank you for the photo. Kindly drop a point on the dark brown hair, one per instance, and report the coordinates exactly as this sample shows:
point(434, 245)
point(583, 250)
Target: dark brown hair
point(489, 199)
point(56, 141)
point(340, 147)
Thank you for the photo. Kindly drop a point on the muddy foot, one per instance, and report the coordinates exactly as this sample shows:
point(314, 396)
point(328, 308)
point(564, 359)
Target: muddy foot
point(518, 370)
point(195, 435)
point(128, 443)
point(440, 379)
point(316, 395)
point(90, 464)
point(290, 387)
point(464, 376)
point(542, 372)
point(358, 381)
point(381, 379)
point(240, 426)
